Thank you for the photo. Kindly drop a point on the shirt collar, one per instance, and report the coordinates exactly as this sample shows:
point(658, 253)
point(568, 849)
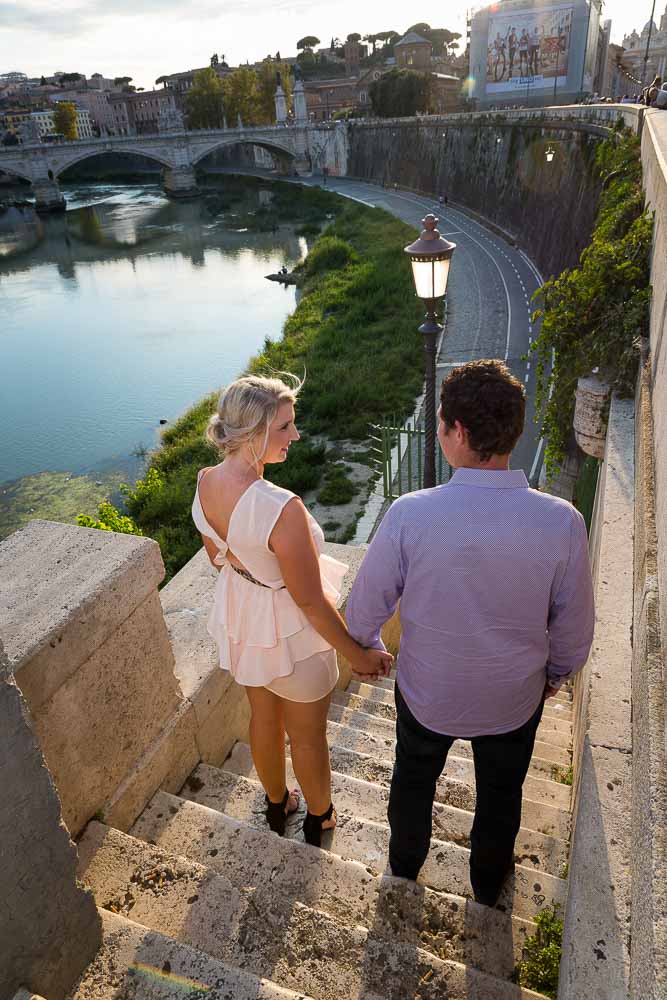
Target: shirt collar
point(492, 479)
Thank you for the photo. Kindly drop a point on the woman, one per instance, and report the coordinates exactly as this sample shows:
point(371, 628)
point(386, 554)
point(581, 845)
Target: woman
point(274, 615)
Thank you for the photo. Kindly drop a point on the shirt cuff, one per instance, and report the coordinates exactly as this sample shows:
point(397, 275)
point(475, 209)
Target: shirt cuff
point(556, 681)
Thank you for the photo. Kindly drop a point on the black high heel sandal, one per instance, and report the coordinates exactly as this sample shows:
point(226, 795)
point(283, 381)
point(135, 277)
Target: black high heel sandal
point(276, 813)
point(312, 826)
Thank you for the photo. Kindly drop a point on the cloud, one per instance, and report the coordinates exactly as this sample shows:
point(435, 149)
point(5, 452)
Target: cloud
point(75, 20)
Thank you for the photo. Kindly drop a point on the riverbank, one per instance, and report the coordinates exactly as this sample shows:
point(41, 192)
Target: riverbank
point(354, 334)
point(120, 314)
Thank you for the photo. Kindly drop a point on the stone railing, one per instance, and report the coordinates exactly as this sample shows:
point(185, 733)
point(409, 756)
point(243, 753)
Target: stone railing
point(568, 115)
point(596, 945)
point(118, 686)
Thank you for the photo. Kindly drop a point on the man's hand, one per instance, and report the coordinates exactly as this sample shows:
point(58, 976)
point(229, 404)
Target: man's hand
point(371, 664)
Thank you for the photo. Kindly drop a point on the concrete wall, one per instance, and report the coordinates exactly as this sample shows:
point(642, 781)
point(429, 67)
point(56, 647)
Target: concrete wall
point(548, 208)
point(649, 680)
point(49, 927)
point(597, 937)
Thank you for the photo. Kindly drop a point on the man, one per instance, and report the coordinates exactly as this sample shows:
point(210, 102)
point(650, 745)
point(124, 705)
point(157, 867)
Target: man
point(496, 612)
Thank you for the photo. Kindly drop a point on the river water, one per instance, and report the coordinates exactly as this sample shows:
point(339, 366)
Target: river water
point(119, 314)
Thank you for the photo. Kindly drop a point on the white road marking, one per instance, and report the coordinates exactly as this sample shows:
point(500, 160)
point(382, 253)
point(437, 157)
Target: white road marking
point(535, 460)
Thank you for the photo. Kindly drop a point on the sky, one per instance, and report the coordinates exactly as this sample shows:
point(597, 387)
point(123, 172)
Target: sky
point(145, 39)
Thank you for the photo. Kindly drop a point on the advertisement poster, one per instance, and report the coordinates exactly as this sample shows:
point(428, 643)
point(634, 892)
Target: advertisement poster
point(529, 48)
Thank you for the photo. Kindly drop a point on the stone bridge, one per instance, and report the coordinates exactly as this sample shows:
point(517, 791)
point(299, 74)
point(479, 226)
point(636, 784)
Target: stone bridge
point(296, 148)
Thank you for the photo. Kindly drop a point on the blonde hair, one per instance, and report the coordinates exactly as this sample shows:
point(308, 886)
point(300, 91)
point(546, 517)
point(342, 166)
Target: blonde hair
point(246, 409)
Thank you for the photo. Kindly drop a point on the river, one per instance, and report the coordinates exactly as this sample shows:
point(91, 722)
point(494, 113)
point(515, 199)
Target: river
point(114, 317)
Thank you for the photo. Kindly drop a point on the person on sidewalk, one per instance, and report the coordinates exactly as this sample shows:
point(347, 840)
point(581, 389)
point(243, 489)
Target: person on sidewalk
point(496, 612)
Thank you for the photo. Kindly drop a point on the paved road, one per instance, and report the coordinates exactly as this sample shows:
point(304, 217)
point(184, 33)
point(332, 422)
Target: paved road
point(489, 292)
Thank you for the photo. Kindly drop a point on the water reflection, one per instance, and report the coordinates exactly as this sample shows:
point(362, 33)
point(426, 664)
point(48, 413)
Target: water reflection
point(122, 312)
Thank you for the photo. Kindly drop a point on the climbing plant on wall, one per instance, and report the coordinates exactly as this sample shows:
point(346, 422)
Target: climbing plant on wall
point(594, 315)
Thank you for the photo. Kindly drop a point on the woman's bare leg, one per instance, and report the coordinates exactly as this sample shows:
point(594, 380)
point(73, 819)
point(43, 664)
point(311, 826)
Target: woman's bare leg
point(306, 724)
point(267, 742)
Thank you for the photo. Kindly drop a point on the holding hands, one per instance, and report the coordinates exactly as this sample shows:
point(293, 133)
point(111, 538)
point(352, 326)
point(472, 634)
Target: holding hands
point(369, 664)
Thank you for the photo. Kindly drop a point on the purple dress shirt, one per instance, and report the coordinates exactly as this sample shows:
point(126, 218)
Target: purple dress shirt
point(496, 594)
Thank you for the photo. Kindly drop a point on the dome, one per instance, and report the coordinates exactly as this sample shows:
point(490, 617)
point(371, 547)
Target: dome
point(649, 26)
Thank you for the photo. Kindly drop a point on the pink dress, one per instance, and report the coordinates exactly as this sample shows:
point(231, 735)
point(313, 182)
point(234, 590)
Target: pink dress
point(264, 638)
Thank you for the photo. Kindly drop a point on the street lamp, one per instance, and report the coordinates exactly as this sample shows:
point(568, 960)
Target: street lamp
point(430, 256)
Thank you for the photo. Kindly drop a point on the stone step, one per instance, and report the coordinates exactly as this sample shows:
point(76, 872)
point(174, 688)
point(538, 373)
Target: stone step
point(303, 949)
point(460, 748)
point(378, 692)
point(537, 788)
point(549, 730)
point(452, 818)
point(445, 870)
point(446, 925)
point(367, 801)
point(137, 962)
point(457, 764)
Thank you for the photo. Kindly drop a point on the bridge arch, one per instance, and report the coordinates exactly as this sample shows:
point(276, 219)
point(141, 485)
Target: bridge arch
point(15, 171)
point(116, 150)
point(275, 148)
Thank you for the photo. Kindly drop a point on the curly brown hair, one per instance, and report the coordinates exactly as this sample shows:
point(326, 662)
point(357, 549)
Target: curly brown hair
point(489, 402)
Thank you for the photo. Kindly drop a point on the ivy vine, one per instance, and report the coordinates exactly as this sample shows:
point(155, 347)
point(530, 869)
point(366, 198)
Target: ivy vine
point(594, 315)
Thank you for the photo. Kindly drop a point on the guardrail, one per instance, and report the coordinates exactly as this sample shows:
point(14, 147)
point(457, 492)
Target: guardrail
point(398, 455)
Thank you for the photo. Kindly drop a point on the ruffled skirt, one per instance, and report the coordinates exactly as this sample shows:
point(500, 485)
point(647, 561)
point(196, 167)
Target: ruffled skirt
point(262, 633)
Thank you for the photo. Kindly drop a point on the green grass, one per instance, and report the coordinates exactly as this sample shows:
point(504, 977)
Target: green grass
point(563, 774)
point(354, 334)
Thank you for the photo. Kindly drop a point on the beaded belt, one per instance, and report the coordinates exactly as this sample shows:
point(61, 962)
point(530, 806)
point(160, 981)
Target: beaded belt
point(248, 576)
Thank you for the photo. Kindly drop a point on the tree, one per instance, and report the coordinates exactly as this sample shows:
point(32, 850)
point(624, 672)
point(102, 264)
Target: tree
point(70, 78)
point(372, 40)
point(421, 28)
point(307, 43)
point(204, 100)
point(122, 81)
point(10, 139)
point(269, 73)
point(400, 93)
point(64, 119)
point(42, 82)
point(215, 61)
point(353, 37)
point(162, 80)
point(241, 96)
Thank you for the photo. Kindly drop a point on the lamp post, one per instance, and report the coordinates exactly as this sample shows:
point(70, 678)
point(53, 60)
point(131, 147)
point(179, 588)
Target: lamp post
point(430, 256)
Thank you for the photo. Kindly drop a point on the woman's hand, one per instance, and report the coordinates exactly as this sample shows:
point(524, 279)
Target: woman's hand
point(370, 664)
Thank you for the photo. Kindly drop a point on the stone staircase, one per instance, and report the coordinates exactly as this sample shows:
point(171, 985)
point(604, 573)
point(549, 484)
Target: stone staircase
point(201, 899)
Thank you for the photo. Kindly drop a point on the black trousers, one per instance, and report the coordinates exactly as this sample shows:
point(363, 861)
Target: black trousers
point(501, 763)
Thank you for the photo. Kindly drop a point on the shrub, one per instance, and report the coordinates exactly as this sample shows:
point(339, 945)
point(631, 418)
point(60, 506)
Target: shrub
point(337, 489)
point(109, 519)
point(593, 315)
point(539, 969)
point(329, 254)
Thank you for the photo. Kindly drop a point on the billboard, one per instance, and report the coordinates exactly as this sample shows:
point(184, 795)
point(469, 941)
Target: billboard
point(528, 48)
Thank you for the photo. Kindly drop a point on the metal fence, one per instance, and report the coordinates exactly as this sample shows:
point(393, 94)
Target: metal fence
point(398, 455)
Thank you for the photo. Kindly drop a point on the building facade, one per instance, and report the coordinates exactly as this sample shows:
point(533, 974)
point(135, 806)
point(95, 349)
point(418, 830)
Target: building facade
point(647, 48)
point(535, 52)
point(413, 52)
point(45, 123)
